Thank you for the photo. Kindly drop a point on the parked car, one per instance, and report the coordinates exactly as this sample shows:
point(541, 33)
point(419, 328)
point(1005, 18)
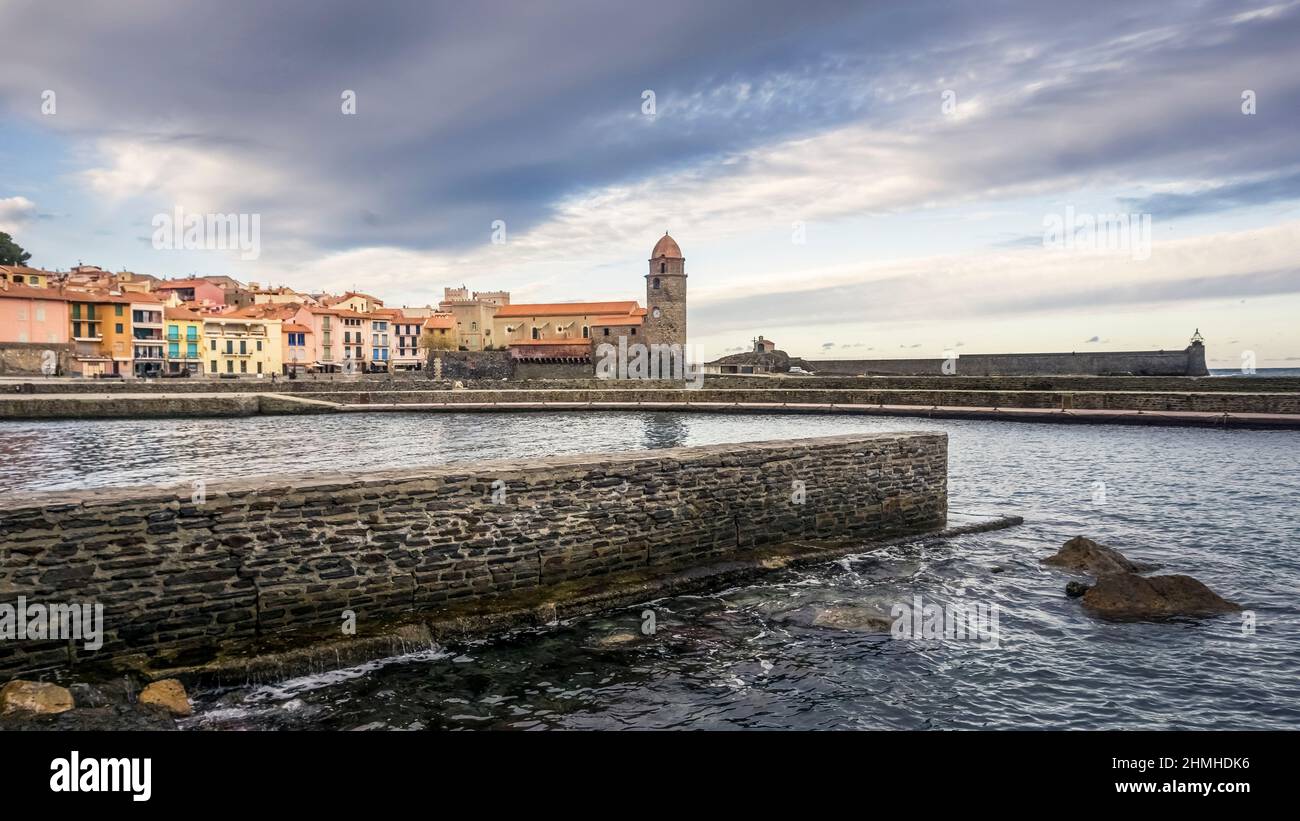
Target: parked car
point(795, 370)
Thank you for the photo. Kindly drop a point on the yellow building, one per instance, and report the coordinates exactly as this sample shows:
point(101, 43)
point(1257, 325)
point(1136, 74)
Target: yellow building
point(235, 346)
point(472, 315)
point(22, 275)
point(520, 324)
point(116, 343)
point(355, 301)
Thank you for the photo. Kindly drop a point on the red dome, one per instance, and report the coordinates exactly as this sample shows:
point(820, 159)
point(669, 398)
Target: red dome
point(666, 247)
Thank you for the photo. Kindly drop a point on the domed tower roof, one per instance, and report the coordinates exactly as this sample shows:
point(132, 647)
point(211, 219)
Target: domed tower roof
point(666, 247)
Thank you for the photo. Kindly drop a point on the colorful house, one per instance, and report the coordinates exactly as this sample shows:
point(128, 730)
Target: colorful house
point(22, 275)
point(89, 315)
point(237, 346)
point(33, 330)
point(147, 344)
point(33, 315)
point(406, 333)
point(183, 337)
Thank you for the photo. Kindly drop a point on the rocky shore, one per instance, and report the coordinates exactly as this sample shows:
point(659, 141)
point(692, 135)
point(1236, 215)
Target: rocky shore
point(113, 705)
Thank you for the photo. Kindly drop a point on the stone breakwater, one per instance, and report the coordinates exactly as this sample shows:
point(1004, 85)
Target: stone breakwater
point(188, 575)
point(1099, 405)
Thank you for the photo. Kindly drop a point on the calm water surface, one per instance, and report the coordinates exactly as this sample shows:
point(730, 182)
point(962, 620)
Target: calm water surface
point(1223, 506)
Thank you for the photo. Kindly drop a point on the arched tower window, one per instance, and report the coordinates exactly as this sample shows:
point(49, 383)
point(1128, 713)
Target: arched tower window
point(663, 267)
point(655, 283)
point(586, 332)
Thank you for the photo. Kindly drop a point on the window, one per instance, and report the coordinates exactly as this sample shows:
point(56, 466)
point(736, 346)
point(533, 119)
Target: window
point(259, 367)
point(537, 333)
point(118, 327)
point(634, 332)
point(173, 332)
point(214, 344)
point(607, 332)
point(212, 366)
point(259, 345)
point(243, 346)
point(586, 332)
point(230, 366)
point(473, 326)
point(192, 333)
point(243, 366)
point(173, 350)
point(192, 350)
point(230, 347)
point(117, 311)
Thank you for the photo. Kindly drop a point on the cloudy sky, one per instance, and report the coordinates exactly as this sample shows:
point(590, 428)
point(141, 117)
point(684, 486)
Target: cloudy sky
point(849, 179)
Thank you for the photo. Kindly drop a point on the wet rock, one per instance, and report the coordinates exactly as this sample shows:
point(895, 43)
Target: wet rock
point(615, 640)
point(88, 695)
point(34, 697)
point(852, 617)
point(168, 694)
point(1075, 589)
point(1130, 596)
point(110, 717)
point(1084, 555)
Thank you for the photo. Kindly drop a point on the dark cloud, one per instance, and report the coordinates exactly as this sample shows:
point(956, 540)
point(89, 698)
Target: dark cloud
point(1218, 198)
point(467, 113)
point(938, 297)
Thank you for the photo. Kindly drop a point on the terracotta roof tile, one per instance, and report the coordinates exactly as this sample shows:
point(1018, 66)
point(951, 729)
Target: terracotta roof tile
point(567, 309)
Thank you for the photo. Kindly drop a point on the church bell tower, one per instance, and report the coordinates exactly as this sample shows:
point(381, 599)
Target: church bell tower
point(665, 294)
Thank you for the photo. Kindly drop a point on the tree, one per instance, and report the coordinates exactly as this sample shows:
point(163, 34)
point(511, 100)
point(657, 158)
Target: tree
point(11, 253)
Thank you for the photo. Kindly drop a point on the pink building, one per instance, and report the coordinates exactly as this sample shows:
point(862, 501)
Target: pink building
point(206, 295)
point(36, 316)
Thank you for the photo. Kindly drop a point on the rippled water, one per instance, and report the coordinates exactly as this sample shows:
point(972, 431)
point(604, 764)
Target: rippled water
point(1223, 506)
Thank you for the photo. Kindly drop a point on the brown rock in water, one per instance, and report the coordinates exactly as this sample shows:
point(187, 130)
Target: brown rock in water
point(1130, 596)
point(1085, 555)
point(38, 697)
point(852, 617)
point(168, 694)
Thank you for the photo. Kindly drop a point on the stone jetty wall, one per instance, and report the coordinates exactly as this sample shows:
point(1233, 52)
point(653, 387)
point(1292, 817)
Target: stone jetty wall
point(1187, 362)
point(126, 405)
point(190, 573)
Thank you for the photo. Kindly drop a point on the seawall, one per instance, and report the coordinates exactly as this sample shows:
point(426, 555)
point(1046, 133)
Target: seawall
point(1284, 406)
point(1187, 362)
point(188, 578)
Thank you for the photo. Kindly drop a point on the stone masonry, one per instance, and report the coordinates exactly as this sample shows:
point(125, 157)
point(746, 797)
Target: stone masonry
point(186, 573)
